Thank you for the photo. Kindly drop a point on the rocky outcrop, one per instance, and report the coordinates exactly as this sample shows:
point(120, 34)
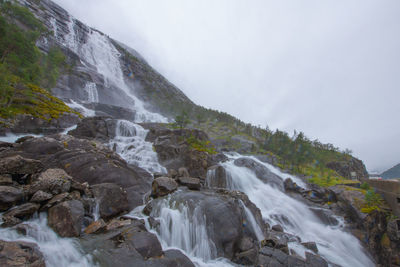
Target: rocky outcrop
point(18, 254)
point(175, 152)
point(349, 167)
point(84, 161)
point(100, 128)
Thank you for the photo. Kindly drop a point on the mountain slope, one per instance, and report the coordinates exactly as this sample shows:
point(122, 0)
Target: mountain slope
point(392, 173)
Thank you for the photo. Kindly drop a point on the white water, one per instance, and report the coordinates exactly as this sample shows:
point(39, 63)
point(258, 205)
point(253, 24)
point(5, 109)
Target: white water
point(91, 91)
point(334, 244)
point(62, 252)
point(11, 138)
point(80, 108)
point(130, 144)
point(253, 224)
point(183, 229)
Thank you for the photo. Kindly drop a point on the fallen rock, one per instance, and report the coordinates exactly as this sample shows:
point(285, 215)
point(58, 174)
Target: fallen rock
point(55, 200)
point(19, 165)
point(41, 196)
point(54, 181)
point(18, 254)
point(23, 212)
point(163, 186)
point(189, 182)
point(9, 196)
point(95, 226)
point(112, 199)
point(116, 223)
point(66, 218)
point(277, 228)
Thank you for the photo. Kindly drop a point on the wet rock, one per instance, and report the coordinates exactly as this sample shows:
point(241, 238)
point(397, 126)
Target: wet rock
point(173, 257)
point(55, 200)
point(191, 183)
point(41, 196)
point(19, 165)
point(245, 244)
point(112, 199)
point(262, 172)
point(23, 228)
point(53, 181)
point(143, 242)
point(66, 218)
point(117, 223)
point(20, 254)
point(9, 196)
point(315, 260)
point(277, 228)
point(9, 221)
point(171, 174)
point(23, 212)
point(271, 257)
point(183, 172)
point(163, 186)
point(311, 246)
point(158, 174)
point(95, 226)
point(248, 257)
point(216, 177)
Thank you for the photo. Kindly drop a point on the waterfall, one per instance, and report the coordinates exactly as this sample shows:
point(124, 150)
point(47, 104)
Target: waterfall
point(63, 252)
point(99, 53)
point(91, 91)
point(130, 143)
point(253, 224)
point(334, 244)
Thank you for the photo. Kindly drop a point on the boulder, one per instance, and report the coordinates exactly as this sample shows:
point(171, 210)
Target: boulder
point(53, 181)
point(19, 165)
point(20, 253)
point(117, 223)
point(163, 186)
point(66, 218)
point(112, 199)
point(9, 196)
point(101, 128)
point(191, 183)
point(55, 200)
point(277, 228)
point(41, 196)
point(262, 172)
point(289, 185)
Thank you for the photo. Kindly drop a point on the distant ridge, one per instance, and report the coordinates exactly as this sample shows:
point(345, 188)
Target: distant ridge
point(392, 173)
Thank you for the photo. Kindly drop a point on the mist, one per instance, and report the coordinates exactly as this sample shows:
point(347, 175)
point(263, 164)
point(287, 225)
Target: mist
point(328, 68)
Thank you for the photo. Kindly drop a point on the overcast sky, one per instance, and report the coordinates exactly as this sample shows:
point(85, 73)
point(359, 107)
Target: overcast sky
point(328, 68)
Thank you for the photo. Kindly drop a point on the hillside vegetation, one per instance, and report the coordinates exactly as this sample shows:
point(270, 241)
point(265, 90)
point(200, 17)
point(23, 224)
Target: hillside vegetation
point(24, 70)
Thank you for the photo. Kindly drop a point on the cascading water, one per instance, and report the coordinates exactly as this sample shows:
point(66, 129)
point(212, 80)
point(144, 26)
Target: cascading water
point(130, 144)
point(334, 244)
point(63, 252)
point(91, 91)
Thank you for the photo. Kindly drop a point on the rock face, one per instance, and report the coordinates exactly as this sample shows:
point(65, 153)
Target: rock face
point(261, 171)
point(18, 254)
point(111, 198)
point(216, 177)
point(66, 218)
point(346, 168)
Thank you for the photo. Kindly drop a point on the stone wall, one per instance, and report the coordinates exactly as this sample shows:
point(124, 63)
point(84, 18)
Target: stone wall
point(390, 190)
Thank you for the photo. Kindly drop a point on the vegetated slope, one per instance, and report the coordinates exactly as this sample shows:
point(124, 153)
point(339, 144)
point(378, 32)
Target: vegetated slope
point(392, 173)
point(25, 70)
point(58, 61)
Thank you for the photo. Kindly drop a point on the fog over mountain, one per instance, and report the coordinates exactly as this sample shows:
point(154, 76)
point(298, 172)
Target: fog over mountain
point(328, 68)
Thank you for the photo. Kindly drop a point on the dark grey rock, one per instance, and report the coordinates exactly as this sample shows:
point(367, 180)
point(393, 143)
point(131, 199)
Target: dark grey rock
point(9, 196)
point(163, 186)
point(20, 253)
point(66, 218)
point(112, 199)
point(189, 182)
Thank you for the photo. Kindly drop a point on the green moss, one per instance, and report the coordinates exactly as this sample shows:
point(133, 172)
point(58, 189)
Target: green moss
point(199, 145)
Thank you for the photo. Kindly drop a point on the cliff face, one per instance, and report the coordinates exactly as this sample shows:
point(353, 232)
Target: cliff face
point(103, 70)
